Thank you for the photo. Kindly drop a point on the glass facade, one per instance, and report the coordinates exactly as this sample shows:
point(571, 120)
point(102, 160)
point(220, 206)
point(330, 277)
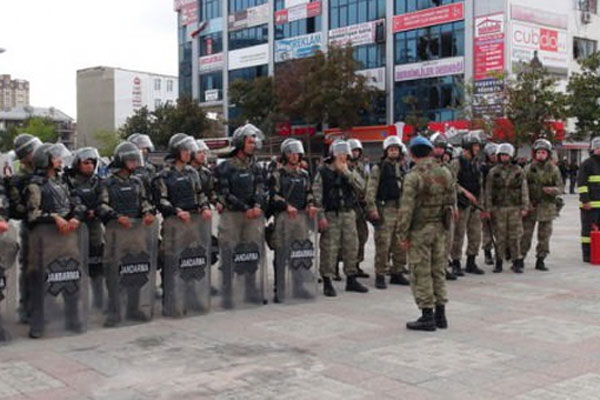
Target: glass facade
point(185, 62)
point(351, 12)
point(431, 43)
point(406, 6)
point(210, 9)
point(436, 98)
point(211, 81)
point(211, 44)
point(239, 5)
point(248, 37)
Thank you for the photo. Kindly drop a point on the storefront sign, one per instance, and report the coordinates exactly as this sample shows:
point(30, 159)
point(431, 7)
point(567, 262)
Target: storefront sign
point(298, 12)
point(429, 69)
point(431, 16)
point(357, 35)
point(249, 57)
point(249, 17)
point(551, 45)
point(211, 95)
point(541, 17)
point(213, 62)
point(297, 47)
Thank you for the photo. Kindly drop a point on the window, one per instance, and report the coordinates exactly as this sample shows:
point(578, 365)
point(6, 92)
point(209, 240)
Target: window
point(239, 5)
point(211, 44)
point(248, 37)
point(157, 103)
point(248, 73)
point(157, 84)
point(169, 86)
point(430, 43)
point(297, 28)
point(436, 99)
point(210, 9)
point(587, 5)
point(407, 6)
point(212, 81)
point(370, 55)
point(351, 12)
point(583, 48)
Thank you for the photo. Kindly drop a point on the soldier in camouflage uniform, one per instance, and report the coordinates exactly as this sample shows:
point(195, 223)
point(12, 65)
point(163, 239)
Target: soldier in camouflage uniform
point(544, 182)
point(356, 164)
point(443, 151)
point(427, 206)
point(507, 199)
point(383, 204)
point(489, 152)
point(470, 195)
point(334, 190)
point(25, 144)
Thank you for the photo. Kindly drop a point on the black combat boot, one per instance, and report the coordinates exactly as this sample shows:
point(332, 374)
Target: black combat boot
point(440, 317)
point(489, 260)
point(328, 289)
point(425, 323)
point(360, 273)
point(498, 267)
point(540, 265)
point(450, 276)
point(456, 269)
point(352, 285)
point(517, 266)
point(380, 281)
point(399, 279)
point(472, 268)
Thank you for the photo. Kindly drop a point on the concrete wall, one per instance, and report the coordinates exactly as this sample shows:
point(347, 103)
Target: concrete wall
point(95, 103)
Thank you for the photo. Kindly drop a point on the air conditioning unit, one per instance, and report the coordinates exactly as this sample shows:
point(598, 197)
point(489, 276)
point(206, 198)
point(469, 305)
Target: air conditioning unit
point(586, 17)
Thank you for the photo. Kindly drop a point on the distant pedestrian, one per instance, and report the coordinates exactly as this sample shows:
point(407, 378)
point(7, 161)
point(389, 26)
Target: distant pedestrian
point(573, 170)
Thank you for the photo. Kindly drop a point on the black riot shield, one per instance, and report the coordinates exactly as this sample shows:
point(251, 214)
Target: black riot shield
point(186, 276)
point(59, 281)
point(8, 283)
point(130, 271)
point(295, 259)
point(242, 256)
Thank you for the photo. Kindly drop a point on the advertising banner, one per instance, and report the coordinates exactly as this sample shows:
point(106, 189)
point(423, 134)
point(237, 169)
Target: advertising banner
point(540, 17)
point(357, 35)
point(249, 17)
point(550, 44)
point(489, 45)
point(213, 62)
point(249, 57)
point(298, 12)
point(297, 47)
point(429, 69)
point(375, 77)
point(429, 17)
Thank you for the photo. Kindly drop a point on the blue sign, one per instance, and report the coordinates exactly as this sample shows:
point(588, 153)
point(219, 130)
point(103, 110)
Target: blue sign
point(297, 47)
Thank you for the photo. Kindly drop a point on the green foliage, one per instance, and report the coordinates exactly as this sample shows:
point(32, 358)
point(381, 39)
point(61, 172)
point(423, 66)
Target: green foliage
point(107, 141)
point(7, 137)
point(186, 116)
point(43, 128)
point(415, 118)
point(257, 102)
point(584, 98)
point(532, 101)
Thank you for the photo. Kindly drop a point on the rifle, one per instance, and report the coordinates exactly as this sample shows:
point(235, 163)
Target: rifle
point(488, 222)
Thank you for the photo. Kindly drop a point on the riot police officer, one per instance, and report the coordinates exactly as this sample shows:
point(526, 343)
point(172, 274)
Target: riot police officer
point(124, 199)
point(384, 190)
point(292, 204)
point(200, 163)
point(49, 202)
point(336, 189)
point(241, 194)
point(146, 171)
point(24, 145)
point(470, 194)
point(8, 253)
point(86, 184)
point(356, 164)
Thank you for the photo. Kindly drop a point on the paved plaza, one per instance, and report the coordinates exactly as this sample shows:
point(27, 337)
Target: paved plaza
point(529, 336)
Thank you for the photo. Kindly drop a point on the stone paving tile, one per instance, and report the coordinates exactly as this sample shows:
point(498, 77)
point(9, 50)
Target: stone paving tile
point(549, 329)
point(23, 378)
point(580, 388)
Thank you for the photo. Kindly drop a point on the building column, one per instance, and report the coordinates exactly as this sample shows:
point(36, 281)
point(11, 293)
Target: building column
point(389, 60)
point(271, 36)
point(225, 96)
point(325, 25)
point(195, 71)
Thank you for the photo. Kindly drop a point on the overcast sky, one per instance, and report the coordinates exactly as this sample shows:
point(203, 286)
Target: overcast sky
point(47, 41)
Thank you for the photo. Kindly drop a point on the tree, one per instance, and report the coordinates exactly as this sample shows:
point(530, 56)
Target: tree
point(324, 88)
point(257, 103)
point(107, 140)
point(43, 128)
point(166, 120)
point(584, 97)
point(532, 103)
point(415, 117)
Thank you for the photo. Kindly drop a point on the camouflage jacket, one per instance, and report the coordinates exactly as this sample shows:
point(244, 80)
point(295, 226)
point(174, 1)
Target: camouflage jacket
point(542, 175)
point(506, 186)
point(427, 196)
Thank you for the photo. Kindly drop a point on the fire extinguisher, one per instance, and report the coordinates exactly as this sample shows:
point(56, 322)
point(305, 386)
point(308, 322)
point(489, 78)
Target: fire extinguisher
point(595, 245)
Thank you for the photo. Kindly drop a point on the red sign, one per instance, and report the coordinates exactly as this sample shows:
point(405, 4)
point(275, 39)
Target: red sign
point(429, 17)
point(285, 129)
point(549, 40)
point(489, 45)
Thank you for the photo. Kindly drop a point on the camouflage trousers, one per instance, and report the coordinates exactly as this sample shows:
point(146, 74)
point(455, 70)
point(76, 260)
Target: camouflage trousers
point(486, 237)
point(427, 262)
point(469, 223)
point(95, 248)
point(544, 232)
point(363, 235)
point(387, 243)
point(508, 230)
point(450, 239)
point(340, 237)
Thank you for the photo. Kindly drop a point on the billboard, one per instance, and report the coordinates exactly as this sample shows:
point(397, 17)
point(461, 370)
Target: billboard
point(357, 35)
point(489, 46)
point(550, 44)
point(297, 47)
point(213, 62)
point(298, 12)
point(249, 17)
point(249, 57)
point(429, 69)
point(429, 17)
point(540, 17)
point(375, 77)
